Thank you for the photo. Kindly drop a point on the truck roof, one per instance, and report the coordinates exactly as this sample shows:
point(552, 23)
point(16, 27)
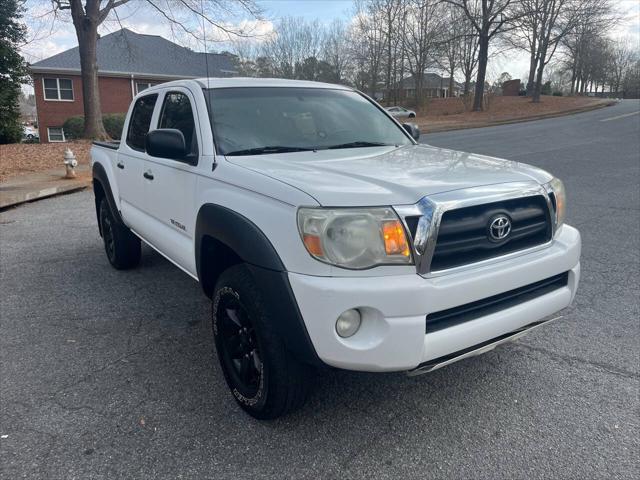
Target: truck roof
point(214, 82)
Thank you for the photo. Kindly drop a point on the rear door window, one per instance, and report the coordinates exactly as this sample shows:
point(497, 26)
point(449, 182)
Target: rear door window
point(141, 121)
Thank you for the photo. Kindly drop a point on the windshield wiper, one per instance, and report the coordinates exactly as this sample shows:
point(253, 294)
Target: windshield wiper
point(268, 149)
point(360, 144)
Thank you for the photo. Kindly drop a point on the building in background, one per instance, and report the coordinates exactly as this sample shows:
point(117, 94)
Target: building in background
point(128, 62)
point(433, 86)
point(511, 88)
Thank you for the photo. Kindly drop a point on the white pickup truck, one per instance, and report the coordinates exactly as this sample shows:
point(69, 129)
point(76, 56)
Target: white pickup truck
point(325, 235)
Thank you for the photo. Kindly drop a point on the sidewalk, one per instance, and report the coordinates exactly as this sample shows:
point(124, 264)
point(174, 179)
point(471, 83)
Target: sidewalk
point(34, 186)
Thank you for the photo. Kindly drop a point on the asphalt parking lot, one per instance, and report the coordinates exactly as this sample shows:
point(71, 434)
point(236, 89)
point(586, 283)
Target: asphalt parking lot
point(107, 374)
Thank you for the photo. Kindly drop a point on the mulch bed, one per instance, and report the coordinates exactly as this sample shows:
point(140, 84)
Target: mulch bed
point(21, 158)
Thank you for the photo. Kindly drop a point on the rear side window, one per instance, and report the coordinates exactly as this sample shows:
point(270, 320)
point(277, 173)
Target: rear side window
point(177, 113)
point(141, 121)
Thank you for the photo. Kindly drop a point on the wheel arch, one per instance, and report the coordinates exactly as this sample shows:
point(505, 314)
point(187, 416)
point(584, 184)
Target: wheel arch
point(102, 189)
point(224, 238)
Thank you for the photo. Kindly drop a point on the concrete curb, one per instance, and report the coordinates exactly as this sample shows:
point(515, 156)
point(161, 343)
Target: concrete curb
point(518, 120)
point(9, 198)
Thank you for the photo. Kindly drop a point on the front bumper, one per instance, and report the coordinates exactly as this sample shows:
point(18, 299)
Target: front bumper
point(394, 309)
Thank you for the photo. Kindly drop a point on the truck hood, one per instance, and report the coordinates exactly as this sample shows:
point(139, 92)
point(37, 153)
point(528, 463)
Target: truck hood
point(386, 175)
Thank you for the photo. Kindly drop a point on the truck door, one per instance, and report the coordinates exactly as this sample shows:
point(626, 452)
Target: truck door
point(131, 161)
point(171, 190)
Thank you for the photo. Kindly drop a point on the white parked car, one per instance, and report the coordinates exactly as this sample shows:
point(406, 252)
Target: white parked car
point(326, 236)
point(401, 112)
point(30, 133)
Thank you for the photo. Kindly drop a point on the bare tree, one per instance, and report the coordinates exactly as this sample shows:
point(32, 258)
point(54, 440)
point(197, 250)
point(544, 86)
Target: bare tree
point(489, 18)
point(541, 26)
point(621, 58)
point(453, 42)
point(582, 46)
point(294, 48)
point(336, 50)
point(88, 15)
point(369, 47)
point(468, 53)
point(424, 35)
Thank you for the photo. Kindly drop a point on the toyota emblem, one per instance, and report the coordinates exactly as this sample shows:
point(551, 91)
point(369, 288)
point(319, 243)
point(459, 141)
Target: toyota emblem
point(499, 228)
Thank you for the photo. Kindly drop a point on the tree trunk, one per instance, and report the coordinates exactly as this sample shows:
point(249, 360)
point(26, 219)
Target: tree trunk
point(418, 84)
point(537, 87)
point(87, 33)
point(532, 71)
point(483, 54)
point(451, 72)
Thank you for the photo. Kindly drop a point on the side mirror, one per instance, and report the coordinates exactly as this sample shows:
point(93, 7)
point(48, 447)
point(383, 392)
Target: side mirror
point(412, 129)
point(166, 143)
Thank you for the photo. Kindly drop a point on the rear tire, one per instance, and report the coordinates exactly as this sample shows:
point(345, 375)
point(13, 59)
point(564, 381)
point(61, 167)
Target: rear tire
point(122, 247)
point(264, 378)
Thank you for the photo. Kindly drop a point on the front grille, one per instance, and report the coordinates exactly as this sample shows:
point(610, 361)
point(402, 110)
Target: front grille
point(471, 311)
point(463, 235)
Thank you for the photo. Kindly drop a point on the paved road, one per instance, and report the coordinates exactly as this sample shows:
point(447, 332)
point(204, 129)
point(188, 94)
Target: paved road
point(106, 374)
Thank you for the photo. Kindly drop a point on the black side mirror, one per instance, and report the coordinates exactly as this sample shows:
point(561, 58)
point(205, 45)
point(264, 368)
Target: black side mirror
point(166, 143)
point(412, 129)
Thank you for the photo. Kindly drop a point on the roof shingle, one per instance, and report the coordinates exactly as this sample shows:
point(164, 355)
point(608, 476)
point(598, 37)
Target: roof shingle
point(128, 52)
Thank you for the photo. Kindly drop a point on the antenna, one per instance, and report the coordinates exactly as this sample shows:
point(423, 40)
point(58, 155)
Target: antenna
point(206, 62)
point(204, 33)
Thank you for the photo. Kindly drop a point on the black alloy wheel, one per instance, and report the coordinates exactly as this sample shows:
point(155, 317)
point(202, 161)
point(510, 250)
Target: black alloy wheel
point(107, 236)
point(240, 347)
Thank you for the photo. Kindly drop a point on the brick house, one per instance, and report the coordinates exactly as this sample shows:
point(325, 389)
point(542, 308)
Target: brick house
point(128, 62)
point(433, 86)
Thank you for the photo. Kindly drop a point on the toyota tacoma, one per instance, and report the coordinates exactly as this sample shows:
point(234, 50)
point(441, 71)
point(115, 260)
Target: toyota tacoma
point(324, 234)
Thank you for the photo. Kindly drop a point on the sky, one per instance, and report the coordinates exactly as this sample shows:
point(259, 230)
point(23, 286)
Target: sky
point(48, 36)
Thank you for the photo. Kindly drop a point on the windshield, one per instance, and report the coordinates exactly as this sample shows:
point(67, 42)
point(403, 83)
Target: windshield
point(262, 120)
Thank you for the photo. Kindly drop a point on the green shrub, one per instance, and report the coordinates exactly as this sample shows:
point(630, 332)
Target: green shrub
point(73, 127)
point(557, 94)
point(113, 123)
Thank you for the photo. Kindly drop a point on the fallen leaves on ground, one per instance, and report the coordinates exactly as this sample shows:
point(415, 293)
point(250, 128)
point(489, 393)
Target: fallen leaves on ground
point(443, 113)
point(21, 158)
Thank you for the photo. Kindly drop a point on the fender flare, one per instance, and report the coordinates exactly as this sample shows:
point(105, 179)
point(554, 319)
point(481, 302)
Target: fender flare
point(253, 247)
point(238, 233)
point(100, 177)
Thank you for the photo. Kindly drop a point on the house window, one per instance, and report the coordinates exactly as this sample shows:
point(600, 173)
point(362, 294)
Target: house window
point(55, 134)
point(140, 86)
point(60, 89)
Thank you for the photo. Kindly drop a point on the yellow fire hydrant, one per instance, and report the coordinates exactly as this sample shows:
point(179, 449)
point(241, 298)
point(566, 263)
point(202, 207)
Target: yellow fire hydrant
point(70, 163)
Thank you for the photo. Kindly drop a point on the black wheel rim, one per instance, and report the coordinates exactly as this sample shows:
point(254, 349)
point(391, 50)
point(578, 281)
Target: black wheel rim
point(238, 344)
point(107, 235)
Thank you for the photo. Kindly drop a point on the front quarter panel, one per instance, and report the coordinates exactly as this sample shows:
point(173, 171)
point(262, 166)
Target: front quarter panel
point(269, 204)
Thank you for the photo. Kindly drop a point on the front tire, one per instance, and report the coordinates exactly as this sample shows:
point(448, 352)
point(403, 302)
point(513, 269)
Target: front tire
point(122, 247)
point(264, 378)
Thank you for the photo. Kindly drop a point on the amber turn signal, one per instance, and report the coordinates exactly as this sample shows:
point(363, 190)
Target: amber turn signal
point(395, 241)
point(313, 244)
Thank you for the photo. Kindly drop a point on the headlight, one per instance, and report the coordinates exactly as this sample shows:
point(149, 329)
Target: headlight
point(354, 237)
point(556, 188)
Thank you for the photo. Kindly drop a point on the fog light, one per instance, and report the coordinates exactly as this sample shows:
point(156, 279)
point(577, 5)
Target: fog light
point(348, 323)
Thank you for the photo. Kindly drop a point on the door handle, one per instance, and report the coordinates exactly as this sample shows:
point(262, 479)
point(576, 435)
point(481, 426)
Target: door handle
point(120, 165)
point(148, 175)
